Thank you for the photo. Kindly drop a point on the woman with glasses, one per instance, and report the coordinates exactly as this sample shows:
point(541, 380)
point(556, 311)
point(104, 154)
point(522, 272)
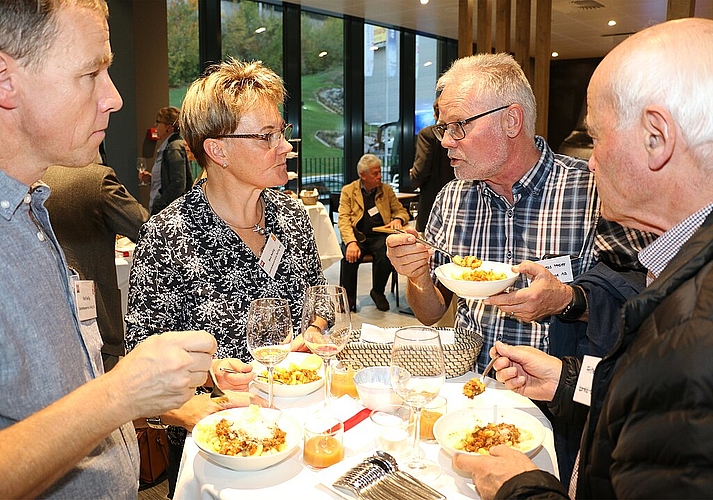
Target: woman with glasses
point(232, 238)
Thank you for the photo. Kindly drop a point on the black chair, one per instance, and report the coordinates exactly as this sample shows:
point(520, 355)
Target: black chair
point(367, 258)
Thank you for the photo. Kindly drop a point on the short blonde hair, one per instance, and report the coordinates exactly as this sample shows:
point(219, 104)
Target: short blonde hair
point(216, 102)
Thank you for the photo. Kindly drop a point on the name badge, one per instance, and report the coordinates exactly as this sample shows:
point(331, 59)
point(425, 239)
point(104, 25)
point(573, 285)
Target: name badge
point(560, 267)
point(373, 211)
point(583, 392)
point(271, 255)
point(85, 299)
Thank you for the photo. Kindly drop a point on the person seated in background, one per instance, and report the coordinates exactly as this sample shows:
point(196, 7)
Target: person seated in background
point(170, 175)
point(650, 421)
point(364, 204)
point(88, 208)
point(232, 238)
point(431, 170)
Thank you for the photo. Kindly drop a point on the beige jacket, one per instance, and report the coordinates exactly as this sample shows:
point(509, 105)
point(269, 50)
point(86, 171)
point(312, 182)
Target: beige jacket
point(351, 208)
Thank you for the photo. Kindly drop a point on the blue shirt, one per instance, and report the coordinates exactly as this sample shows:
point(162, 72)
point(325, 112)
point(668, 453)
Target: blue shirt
point(45, 351)
point(555, 211)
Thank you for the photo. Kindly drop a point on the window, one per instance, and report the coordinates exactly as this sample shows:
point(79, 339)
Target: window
point(183, 54)
point(426, 76)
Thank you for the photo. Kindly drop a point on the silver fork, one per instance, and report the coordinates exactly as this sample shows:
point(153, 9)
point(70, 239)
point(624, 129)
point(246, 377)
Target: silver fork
point(217, 394)
point(424, 242)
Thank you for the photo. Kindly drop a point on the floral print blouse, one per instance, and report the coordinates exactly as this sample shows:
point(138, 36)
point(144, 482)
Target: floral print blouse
point(192, 272)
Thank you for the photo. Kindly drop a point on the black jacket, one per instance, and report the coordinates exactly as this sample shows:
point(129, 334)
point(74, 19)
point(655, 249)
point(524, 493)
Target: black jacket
point(176, 178)
point(650, 428)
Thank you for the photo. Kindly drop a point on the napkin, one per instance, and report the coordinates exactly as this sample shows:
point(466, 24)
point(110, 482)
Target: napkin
point(373, 333)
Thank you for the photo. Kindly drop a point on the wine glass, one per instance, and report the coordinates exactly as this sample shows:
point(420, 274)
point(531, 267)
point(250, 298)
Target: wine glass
point(142, 167)
point(326, 326)
point(269, 334)
point(413, 208)
point(417, 372)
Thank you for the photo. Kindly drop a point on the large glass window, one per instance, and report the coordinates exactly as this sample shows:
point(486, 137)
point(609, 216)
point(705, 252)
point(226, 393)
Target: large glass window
point(322, 130)
point(381, 97)
point(426, 76)
point(183, 54)
point(252, 31)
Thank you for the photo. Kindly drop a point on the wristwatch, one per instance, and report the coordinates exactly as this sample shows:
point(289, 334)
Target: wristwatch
point(155, 422)
point(576, 307)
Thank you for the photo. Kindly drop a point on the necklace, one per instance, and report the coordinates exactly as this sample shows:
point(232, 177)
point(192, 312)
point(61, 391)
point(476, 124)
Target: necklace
point(256, 228)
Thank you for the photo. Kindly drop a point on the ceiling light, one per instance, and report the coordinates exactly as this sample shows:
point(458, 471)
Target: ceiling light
point(322, 54)
point(261, 30)
point(374, 48)
point(427, 64)
point(612, 23)
point(424, 2)
point(555, 54)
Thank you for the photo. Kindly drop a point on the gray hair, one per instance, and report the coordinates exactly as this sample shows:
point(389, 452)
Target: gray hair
point(366, 162)
point(664, 76)
point(28, 28)
point(495, 79)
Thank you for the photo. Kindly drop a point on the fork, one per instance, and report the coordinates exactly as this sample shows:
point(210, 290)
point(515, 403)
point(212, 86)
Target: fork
point(424, 242)
point(488, 367)
point(217, 394)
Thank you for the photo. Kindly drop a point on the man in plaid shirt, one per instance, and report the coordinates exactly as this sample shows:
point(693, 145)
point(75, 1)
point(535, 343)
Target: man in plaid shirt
point(513, 200)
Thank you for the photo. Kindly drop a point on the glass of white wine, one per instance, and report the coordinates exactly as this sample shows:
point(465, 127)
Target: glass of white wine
point(326, 326)
point(413, 208)
point(417, 372)
point(269, 334)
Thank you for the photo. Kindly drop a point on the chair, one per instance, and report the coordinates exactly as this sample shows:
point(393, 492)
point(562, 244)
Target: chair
point(367, 258)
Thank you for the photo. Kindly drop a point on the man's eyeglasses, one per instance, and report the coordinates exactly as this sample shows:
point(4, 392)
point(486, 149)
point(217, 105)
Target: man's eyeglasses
point(456, 129)
point(273, 138)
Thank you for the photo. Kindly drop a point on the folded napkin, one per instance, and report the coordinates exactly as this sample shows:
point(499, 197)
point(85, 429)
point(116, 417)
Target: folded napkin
point(373, 333)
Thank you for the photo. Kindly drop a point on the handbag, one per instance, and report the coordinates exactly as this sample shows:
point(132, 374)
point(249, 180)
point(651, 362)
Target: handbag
point(153, 450)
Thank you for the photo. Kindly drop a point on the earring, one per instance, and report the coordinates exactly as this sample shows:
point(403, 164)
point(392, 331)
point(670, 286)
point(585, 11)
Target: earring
point(225, 164)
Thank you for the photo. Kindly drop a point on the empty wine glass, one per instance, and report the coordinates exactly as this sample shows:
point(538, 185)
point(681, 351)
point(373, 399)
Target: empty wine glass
point(417, 372)
point(326, 326)
point(269, 334)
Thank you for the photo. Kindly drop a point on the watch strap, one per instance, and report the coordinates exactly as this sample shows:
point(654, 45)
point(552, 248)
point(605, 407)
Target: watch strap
point(576, 307)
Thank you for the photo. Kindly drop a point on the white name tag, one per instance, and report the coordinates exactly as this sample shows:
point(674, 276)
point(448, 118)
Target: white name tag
point(85, 299)
point(583, 393)
point(373, 211)
point(271, 255)
point(560, 267)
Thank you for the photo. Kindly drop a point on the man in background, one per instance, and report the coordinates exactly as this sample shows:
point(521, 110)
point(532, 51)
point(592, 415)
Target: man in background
point(88, 208)
point(431, 170)
point(365, 204)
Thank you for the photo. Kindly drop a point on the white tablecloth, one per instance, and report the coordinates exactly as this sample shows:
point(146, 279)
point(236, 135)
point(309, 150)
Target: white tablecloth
point(201, 479)
point(327, 243)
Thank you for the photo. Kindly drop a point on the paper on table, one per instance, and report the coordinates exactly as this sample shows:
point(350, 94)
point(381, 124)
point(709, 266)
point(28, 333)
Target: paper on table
point(373, 333)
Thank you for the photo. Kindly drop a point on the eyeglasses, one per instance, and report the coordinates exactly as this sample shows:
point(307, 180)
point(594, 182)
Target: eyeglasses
point(456, 129)
point(273, 138)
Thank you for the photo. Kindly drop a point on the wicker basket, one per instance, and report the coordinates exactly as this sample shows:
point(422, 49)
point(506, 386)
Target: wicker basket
point(460, 356)
point(309, 197)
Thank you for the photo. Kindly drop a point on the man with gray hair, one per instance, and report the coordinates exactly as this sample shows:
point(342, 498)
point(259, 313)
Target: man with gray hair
point(650, 423)
point(65, 427)
point(365, 204)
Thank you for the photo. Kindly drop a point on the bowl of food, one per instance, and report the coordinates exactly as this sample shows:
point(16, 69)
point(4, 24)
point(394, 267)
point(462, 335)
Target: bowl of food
point(248, 438)
point(374, 387)
point(489, 278)
point(476, 430)
point(299, 374)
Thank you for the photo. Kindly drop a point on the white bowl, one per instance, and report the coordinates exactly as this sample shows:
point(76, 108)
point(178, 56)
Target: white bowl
point(374, 387)
point(449, 274)
point(285, 390)
point(293, 438)
point(452, 427)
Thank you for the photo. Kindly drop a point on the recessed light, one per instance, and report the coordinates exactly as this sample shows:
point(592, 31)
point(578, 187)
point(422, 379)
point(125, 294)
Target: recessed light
point(427, 64)
point(322, 54)
point(374, 48)
point(261, 30)
point(612, 23)
point(424, 2)
point(555, 54)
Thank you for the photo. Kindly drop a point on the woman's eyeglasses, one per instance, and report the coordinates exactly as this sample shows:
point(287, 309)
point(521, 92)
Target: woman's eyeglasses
point(273, 138)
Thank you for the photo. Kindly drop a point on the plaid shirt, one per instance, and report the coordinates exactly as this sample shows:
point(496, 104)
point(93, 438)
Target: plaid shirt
point(555, 211)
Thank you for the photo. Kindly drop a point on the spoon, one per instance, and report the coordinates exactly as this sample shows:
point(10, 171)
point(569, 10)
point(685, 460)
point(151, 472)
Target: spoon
point(424, 242)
